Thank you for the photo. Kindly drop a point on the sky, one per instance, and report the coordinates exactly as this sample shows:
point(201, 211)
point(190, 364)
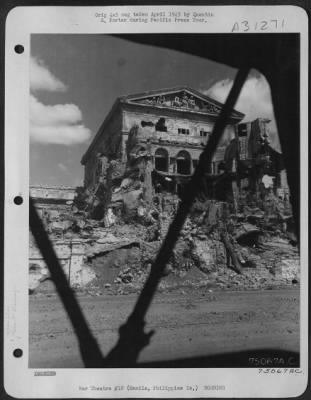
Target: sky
point(75, 79)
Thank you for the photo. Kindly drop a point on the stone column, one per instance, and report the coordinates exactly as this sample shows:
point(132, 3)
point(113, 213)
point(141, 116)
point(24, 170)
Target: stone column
point(171, 165)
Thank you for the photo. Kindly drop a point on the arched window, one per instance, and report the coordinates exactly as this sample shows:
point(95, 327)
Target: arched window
point(161, 160)
point(183, 163)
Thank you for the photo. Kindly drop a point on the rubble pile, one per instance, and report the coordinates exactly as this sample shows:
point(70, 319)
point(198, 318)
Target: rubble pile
point(216, 249)
point(243, 237)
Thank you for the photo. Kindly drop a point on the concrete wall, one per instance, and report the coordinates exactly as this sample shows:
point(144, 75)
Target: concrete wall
point(71, 258)
point(52, 193)
point(194, 153)
point(172, 123)
point(171, 140)
point(112, 142)
point(109, 144)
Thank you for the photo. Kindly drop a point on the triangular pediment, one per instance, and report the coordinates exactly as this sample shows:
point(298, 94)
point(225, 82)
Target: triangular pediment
point(183, 99)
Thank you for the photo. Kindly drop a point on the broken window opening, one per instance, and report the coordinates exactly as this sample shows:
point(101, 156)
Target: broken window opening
point(203, 133)
point(146, 123)
point(161, 160)
point(242, 130)
point(183, 131)
point(160, 125)
point(183, 162)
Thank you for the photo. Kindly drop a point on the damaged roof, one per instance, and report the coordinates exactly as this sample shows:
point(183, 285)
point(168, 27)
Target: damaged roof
point(179, 98)
point(197, 101)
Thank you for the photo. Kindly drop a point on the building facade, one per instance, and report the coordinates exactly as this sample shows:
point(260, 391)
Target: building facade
point(53, 204)
point(251, 156)
point(52, 197)
point(172, 126)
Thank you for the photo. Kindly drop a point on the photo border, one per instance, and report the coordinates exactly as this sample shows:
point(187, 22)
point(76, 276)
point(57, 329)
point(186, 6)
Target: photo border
point(16, 183)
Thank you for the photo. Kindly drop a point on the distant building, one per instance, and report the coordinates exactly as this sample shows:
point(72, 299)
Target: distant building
point(52, 199)
point(172, 126)
point(250, 157)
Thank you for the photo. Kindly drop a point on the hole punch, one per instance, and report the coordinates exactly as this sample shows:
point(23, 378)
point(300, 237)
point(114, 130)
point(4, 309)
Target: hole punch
point(18, 200)
point(19, 49)
point(18, 353)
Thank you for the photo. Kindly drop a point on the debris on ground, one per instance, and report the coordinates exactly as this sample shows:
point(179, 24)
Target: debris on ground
point(116, 258)
point(108, 238)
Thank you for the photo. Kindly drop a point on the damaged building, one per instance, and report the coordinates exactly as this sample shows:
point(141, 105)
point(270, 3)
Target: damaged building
point(151, 142)
point(53, 203)
point(251, 164)
point(108, 233)
point(50, 198)
point(251, 156)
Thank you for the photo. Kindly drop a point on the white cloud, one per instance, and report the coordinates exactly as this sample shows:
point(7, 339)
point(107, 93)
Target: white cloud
point(57, 124)
point(42, 79)
point(58, 114)
point(254, 101)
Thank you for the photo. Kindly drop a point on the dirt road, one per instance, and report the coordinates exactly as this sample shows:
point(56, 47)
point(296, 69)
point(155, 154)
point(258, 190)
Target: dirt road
point(189, 323)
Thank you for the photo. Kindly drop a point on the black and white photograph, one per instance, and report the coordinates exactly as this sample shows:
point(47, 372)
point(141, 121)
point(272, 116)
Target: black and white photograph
point(165, 203)
point(117, 129)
